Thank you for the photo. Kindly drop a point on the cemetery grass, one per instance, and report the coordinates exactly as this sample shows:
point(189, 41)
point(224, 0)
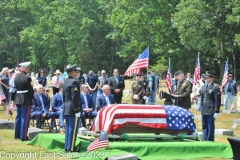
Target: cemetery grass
point(9, 144)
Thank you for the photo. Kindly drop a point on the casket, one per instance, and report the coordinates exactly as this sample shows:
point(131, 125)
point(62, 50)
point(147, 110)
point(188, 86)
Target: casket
point(130, 118)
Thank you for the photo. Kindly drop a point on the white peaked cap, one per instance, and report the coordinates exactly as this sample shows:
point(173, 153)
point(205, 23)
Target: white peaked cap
point(25, 64)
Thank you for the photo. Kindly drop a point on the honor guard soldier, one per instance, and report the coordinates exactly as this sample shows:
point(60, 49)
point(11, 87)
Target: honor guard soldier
point(24, 96)
point(211, 101)
point(183, 91)
point(72, 108)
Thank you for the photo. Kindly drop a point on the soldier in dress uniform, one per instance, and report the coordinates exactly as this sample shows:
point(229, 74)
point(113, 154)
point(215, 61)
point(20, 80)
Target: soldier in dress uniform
point(72, 108)
point(23, 99)
point(137, 90)
point(183, 91)
point(211, 101)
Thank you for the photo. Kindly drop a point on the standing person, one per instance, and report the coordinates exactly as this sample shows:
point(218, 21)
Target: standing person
point(201, 83)
point(23, 101)
point(4, 81)
point(12, 89)
point(41, 78)
point(72, 108)
point(229, 91)
point(146, 88)
point(189, 77)
point(117, 85)
point(80, 79)
point(137, 90)
point(92, 83)
point(154, 87)
point(184, 89)
point(55, 81)
point(103, 79)
point(211, 101)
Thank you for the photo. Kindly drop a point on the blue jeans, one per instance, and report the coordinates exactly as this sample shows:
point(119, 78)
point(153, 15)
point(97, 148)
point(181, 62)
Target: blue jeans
point(151, 99)
point(208, 127)
point(226, 97)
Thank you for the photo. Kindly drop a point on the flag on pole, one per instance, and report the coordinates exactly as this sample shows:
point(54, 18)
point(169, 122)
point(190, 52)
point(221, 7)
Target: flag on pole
point(138, 64)
point(225, 76)
point(169, 78)
point(100, 142)
point(197, 71)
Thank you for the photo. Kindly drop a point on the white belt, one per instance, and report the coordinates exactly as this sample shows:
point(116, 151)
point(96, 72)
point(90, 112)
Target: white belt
point(22, 91)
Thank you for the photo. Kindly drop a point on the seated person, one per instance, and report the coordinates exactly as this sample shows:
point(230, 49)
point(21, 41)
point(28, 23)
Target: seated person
point(87, 105)
point(57, 106)
point(40, 108)
point(105, 98)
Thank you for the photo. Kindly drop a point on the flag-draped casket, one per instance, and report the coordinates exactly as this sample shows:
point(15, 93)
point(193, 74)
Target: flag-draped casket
point(168, 117)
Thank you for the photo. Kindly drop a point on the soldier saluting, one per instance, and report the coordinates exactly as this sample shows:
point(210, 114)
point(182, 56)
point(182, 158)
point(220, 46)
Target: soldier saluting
point(24, 96)
point(211, 101)
point(72, 108)
point(183, 91)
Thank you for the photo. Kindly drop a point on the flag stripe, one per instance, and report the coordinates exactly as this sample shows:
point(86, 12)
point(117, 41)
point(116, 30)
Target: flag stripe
point(196, 71)
point(169, 78)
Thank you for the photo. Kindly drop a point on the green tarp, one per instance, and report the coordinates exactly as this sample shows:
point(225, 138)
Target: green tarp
point(145, 149)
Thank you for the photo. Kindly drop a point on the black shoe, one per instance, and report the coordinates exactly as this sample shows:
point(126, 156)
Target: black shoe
point(51, 130)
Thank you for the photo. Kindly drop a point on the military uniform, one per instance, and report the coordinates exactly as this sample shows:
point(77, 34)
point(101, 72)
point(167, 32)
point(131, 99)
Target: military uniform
point(211, 101)
point(137, 89)
point(146, 90)
point(23, 101)
point(72, 106)
point(184, 89)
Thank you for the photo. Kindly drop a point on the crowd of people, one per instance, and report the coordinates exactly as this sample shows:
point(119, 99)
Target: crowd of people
point(76, 98)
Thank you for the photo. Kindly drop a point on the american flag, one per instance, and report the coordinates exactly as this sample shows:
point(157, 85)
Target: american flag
point(140, 62)
point(2, 97)
point(225, 76)
point(100, 142)
point(112, 117)
point(169, 77)
point(197, 71)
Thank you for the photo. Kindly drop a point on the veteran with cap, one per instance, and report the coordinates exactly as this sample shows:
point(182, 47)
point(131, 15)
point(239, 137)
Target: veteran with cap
point(23, 100)
point(211, 100)
point(183, 91)
point(72, 108)
point(229, 91)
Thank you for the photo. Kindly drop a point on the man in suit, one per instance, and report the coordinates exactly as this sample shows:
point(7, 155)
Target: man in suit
point(23, 100)
point(57, 106)
point(211, 101)
point(105, 98)
point(87, 105)
point(41, 108)
point(117, 85)
point(183, 91)
point(229, 91)
point(72, 108)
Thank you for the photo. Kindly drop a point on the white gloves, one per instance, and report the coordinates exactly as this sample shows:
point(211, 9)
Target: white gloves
point(145, 97)
point(78, 114)
point(215, 115)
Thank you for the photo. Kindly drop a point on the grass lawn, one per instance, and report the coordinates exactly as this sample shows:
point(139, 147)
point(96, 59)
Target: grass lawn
point(10, 145)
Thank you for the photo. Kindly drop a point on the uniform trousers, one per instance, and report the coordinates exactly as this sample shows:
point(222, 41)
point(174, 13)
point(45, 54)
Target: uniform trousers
point(208, 127)
point(60, 115)
point(71, 130)
point(22, 121)
point(228, 96)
